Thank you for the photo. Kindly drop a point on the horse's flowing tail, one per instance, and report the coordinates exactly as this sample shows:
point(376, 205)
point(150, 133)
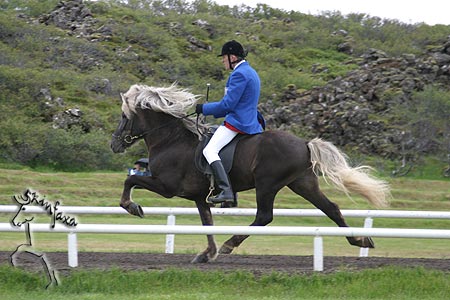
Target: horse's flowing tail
point(329, 161)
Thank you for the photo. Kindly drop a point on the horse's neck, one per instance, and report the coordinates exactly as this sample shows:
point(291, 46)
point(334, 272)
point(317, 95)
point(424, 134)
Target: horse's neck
point(179, 138)
point(165, 131)
point(28, 233)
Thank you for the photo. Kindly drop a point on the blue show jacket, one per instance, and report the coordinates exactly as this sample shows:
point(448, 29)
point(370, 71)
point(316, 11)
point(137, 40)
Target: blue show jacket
point(240, 103)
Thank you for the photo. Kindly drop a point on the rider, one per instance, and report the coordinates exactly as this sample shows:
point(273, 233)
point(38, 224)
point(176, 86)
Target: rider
point(238, 106)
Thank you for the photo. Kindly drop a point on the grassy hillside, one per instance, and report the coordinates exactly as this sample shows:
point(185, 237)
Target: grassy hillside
point(52, 62)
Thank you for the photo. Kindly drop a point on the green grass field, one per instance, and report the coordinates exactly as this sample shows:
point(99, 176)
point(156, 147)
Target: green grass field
point(383, 283)
point(104, 189)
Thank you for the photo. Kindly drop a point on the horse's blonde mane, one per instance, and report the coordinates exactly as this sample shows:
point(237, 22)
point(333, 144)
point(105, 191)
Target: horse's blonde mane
point(170, 100)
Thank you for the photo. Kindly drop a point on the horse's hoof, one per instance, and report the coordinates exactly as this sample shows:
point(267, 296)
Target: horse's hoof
point(134, 209)
point(368, 243)
point(363, 242)
point(200, 259)
point(225, 249)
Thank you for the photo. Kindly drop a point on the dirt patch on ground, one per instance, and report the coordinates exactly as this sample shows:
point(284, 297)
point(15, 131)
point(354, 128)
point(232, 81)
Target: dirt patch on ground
point(257, 264)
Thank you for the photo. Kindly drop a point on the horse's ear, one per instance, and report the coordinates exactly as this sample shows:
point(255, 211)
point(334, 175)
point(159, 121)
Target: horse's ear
point(124, 101)
point(125, 106)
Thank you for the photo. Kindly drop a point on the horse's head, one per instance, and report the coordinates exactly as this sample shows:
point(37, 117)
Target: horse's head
point(21, 216)
point(165, 104)
point(126, 134)
point(128, 130)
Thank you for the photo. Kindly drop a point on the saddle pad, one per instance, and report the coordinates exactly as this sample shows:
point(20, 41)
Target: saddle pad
point(226, 154)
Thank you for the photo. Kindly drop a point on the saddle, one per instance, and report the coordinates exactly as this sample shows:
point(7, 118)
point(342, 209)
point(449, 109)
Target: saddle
point(226, 154)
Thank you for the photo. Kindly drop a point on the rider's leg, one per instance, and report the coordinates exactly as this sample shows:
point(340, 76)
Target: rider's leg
point(222, 136)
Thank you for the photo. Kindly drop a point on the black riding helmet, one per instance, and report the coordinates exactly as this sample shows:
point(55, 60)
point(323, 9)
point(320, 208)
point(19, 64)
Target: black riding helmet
point(233, 47)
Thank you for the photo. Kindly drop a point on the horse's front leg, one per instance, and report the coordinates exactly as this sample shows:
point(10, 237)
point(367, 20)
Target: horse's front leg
point(210, 253)
point(148, 182)
point(125, 201)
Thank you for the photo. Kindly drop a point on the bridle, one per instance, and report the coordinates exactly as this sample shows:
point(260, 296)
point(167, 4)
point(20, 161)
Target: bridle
point(129, 138)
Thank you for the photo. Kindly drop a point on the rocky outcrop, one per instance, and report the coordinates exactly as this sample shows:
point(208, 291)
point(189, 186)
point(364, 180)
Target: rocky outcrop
point(53, 109)
point(351, 110)
point(68, 118)
point(77, 19)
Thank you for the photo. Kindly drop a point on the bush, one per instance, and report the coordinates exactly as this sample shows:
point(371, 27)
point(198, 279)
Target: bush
point(20, 142)
point(75, 150)
point(426, 117)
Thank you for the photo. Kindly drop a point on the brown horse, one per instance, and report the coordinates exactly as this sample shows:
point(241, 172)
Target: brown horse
point(267, 162)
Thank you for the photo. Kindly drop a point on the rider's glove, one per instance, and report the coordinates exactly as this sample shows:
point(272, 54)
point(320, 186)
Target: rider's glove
point(199, 108)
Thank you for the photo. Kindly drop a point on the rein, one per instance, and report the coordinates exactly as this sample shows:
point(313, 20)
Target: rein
point(130, 138)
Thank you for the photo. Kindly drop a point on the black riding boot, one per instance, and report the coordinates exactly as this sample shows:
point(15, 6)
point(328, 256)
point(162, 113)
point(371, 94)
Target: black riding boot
point(221, 178)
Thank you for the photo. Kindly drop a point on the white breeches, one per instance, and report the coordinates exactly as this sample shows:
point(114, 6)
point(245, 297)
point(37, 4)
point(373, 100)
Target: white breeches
point(221, 137)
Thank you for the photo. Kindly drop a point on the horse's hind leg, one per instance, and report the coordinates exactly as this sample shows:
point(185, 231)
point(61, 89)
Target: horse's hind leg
point(308, 188)
point(264, 215)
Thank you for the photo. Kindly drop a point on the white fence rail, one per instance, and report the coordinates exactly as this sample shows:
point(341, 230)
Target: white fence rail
point(98, 210)
point(171, 229)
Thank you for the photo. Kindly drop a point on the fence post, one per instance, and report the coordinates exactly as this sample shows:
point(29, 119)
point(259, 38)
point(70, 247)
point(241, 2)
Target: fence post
point(72, 248)
point(318, 253)
point(364, 252)
point(170, 238)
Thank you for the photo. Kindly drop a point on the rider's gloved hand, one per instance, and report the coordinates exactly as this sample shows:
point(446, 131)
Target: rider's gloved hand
point(199, 108)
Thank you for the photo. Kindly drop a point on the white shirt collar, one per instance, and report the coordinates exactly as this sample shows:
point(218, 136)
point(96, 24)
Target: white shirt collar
point(238, 64)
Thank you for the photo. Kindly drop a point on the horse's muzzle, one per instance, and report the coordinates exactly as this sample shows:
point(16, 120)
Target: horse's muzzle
point(117, 145)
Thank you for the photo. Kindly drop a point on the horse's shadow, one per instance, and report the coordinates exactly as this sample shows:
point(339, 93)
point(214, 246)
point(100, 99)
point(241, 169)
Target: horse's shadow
point(15, 257)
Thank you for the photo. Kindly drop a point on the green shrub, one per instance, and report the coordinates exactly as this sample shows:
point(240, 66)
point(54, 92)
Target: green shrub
point(426, 118)
point(20, 142)
point(75, 150)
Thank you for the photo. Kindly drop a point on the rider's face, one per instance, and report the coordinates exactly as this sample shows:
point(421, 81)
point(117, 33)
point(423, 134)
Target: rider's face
point(226, 62)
